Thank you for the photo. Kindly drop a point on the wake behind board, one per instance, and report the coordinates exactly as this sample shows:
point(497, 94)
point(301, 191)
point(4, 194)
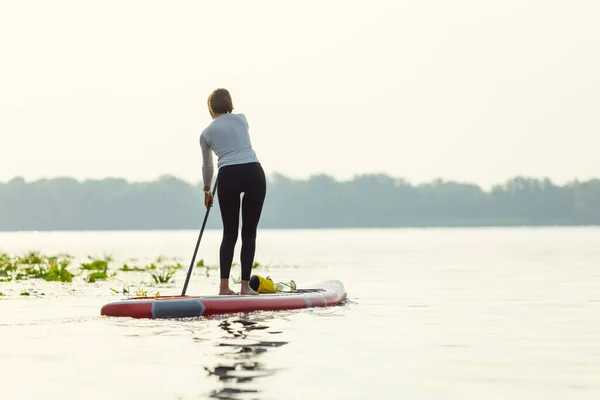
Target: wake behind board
point(328, 293)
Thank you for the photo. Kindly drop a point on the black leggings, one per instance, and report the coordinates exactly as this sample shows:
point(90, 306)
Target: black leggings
point(232, 181)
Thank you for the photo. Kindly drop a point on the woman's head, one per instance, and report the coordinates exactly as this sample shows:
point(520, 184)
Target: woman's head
point(219, 102)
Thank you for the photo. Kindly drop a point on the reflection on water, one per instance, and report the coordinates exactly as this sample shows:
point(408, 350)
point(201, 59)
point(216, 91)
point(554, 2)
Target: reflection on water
point(234, 348)
point(240, 363)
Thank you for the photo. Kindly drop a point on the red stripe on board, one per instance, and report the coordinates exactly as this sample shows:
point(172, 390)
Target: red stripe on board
point(133, 310)
point(253, 304)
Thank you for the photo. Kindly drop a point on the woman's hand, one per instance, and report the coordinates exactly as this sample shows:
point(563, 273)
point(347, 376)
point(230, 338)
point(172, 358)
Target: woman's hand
point(208, 200)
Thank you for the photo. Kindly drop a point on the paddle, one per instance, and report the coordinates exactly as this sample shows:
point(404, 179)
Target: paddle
point(189, 274)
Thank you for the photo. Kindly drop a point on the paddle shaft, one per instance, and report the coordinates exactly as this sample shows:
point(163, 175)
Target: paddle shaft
point(189, 274)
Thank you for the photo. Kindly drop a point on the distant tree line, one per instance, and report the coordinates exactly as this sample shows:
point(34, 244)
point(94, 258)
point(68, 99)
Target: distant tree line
point(319, 202)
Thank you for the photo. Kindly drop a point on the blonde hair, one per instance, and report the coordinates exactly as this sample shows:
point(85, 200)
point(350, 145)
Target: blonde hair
point(219, 101)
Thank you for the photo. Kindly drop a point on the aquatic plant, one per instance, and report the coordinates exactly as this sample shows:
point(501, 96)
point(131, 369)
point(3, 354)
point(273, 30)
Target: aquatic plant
point(165, 274)
point(5, 272)
point(57, 270)
point(5, 260)
point(285, 286)
point(33, 265)
point(144, 293)
point(98, 276)
point(95, 265)
point(139, 292)
point(158, 269)
point(35, 292)
point(32, 257)
point(99, 268)
point(127, 268)
point(207, 268)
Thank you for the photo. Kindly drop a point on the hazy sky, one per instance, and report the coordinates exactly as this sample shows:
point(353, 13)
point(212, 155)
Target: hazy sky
point(475, 90)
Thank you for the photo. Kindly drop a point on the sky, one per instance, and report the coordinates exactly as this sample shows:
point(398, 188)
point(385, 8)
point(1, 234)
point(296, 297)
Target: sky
point(474, 91)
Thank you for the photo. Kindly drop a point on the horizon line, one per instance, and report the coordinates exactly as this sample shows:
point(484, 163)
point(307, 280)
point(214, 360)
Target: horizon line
point(276, 175)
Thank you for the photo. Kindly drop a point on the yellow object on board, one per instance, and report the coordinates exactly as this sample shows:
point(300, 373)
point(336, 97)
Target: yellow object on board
point(265, 285)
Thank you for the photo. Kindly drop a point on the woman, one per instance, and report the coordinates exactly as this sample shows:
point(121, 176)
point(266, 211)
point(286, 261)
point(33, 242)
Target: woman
point(239, 172)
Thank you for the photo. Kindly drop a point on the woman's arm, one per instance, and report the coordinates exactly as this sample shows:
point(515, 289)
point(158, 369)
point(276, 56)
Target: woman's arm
point(207, 163)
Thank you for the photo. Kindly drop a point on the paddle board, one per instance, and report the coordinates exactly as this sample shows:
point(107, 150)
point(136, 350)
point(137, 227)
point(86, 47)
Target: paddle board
point(324, 294)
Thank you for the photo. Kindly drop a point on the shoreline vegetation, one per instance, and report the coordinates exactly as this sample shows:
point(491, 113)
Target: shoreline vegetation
point(365, 201)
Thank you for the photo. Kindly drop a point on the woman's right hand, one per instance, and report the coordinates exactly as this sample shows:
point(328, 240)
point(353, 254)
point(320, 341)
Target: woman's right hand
point(208, 200)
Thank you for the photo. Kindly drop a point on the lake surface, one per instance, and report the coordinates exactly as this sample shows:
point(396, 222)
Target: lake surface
point(431, 314)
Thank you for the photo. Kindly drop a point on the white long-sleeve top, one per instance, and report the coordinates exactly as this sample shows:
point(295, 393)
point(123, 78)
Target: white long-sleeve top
point(229, 137)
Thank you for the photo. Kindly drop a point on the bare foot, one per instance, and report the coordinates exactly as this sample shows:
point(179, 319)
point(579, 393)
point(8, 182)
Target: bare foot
point(224, 288)
point(248, 291)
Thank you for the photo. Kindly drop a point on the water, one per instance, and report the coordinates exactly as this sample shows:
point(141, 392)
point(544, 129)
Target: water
point(432, 314)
